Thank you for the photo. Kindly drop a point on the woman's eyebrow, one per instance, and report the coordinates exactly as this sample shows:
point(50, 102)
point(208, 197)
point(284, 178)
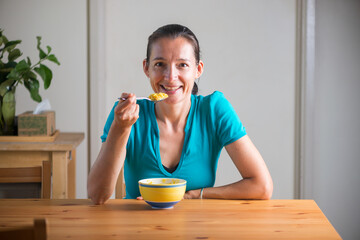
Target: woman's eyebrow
point(184, 59)
point(179, 59)
point(158, 58)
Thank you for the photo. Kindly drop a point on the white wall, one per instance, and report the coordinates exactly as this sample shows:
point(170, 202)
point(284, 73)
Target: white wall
point(337, 114)
point(249, 53)
point(62, 25)
point(248, 48)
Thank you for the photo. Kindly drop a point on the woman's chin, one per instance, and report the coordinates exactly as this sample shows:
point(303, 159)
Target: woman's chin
point(177, 99)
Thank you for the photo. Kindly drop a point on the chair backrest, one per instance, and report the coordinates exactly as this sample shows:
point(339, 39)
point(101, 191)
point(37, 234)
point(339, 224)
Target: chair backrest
point(120, 189)
point(38, 231)
point(40, 174)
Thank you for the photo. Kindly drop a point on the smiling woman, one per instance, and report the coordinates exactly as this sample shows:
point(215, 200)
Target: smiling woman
point(184, 133)
point(172, 68)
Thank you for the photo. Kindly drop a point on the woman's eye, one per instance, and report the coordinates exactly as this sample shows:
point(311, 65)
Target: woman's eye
point(183, 65)
point(158, 64)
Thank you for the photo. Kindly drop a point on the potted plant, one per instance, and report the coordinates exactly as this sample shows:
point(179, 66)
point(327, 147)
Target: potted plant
point(13, 73)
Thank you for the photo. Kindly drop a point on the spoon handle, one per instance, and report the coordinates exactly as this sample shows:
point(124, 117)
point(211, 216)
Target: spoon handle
point(138, 98)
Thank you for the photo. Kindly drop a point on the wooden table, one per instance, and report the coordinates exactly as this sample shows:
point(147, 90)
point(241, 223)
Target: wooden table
point(189, 219)
point(61, 153)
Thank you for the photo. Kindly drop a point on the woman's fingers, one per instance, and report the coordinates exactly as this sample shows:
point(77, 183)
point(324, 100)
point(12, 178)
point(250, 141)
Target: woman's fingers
point(127, 111)
point(130, 99)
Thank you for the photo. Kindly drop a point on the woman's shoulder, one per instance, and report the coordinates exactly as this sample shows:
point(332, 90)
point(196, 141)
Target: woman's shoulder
point(210, 100)
point(210, 97)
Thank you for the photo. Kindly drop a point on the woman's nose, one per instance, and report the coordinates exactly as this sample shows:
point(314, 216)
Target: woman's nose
point(171, 73)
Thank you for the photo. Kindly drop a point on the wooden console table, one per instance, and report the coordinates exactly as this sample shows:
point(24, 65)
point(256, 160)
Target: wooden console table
point(61, 153)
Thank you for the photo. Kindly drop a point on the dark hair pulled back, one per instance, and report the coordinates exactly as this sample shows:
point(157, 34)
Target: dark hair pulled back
point(174, 31)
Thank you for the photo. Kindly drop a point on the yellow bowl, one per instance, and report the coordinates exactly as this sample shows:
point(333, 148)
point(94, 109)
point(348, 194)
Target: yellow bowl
point(162, 193)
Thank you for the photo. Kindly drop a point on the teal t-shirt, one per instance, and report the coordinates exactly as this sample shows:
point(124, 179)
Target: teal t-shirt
point(212, 123)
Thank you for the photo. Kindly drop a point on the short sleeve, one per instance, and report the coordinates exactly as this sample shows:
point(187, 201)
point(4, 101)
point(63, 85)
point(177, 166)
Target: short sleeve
point(229, 128)
point(108, 123)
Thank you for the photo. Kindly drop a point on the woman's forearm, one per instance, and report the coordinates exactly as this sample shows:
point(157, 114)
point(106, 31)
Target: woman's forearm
point(248, 188)
point(105, 171)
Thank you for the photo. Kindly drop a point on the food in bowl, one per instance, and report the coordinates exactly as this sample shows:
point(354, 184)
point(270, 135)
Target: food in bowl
point(162, 193)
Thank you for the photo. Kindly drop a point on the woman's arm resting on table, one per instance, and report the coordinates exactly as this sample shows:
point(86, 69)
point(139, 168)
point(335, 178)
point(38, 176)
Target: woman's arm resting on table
point(105, 171)
point(256, 182)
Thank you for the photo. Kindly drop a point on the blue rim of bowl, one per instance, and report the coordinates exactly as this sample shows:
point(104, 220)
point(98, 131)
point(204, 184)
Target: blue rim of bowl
point(161, 186)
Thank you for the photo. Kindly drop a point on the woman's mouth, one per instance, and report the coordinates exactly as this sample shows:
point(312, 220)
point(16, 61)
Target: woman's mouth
point(170, 90)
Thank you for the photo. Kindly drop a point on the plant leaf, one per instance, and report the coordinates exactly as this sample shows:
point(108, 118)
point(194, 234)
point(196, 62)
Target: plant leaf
point(29, 75)
point(8, 108)
point(14, 54)
point(11, 64)
point(38, 42)
point(11, 45)
point(49, 49)
point(32, 83)
point(42, 54)
point(33, 86)
point(32, 75)
point(48, 79)
point(53, 59)
point(28, 61)
point(5, 70)
point(22, 66)
point(5, 87)
point(46, 75)
point(14, 75)
point(19, 69)
point(5, 40)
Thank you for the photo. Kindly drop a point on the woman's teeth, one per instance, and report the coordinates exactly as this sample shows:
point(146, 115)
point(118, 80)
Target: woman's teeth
point(170, 88)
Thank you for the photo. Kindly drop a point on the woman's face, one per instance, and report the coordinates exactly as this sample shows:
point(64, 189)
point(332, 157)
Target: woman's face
point(172, 68)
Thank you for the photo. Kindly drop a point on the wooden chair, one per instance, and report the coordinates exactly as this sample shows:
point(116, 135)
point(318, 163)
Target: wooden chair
point(38, 231)
point(120, 186)
point(40, 174)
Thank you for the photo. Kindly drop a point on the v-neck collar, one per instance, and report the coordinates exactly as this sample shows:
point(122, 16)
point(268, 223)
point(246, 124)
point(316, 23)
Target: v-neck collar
point(156, 137)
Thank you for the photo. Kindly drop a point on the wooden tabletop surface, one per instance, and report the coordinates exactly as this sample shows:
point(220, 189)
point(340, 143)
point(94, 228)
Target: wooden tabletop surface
point(64, 142)
point(189, 219)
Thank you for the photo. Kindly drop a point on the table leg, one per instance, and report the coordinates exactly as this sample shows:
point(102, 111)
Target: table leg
point(59, 175)
point(72, 175)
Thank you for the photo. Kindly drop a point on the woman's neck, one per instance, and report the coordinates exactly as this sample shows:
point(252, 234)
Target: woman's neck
point(173, 115)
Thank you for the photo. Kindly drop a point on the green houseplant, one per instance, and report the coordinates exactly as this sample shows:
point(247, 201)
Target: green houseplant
point(23, 72)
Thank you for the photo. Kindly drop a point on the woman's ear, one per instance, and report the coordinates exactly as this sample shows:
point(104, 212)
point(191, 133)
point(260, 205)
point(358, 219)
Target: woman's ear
point(146, 67)
point(200, 69)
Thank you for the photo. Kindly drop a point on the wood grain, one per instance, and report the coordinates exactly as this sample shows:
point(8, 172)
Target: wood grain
point(59, 175)
point(63, 142)
point(30, 138)
point(190, 219)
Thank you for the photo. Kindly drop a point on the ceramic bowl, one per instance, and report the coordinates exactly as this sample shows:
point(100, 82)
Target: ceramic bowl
point(162, 193)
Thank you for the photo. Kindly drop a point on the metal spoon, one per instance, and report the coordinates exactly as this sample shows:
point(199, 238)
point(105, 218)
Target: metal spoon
point(147, 98)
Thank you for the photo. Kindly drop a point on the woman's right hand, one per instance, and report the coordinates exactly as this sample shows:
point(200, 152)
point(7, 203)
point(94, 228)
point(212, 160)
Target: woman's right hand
point(127, 111)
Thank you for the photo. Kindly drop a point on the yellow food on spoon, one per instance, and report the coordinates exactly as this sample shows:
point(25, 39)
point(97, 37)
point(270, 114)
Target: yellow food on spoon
point(158, 96)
